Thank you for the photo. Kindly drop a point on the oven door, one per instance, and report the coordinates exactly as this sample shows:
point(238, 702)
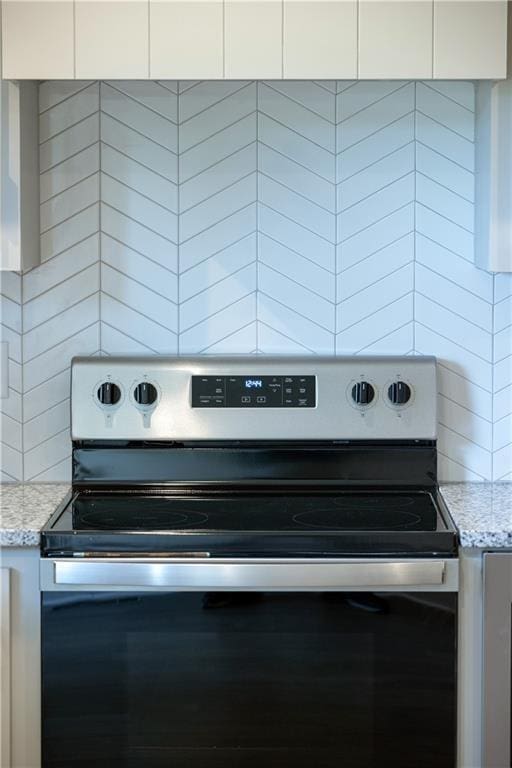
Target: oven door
point(249, 664)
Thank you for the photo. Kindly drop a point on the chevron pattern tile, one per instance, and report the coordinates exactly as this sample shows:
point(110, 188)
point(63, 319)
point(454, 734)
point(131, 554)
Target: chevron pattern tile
point(375, 221)
point(296, 217)
point(11, 412)
point(502, 389)
point(217, 246)
point(139, 217)
point(61, 296)
point(271, 217)
point(453, 300)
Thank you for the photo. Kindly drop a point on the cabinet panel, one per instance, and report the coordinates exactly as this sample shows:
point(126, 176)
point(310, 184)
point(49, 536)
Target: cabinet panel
point(186, 39)
point(493, 177)
point(497, 659)
point(37, 40)
point(470, 39)
point(395, 39)
point(19, 166)
point(111, 39)
point(253, 39)
point(320, 39)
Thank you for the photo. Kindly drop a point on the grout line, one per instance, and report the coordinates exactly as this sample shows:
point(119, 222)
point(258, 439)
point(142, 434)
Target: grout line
point(68, 218)
point(492, 374)
point(22, 374)
point(149, 38)
point(59, 284)
point(178, 218)
point(100, 221)
point(74, 39)
point(282, 42)
point(213, 284)
point(223, 42)
point(63, 100)
point(276, 87)
point(245, 84)
point(443, 95)
point(414, 227)
point(358, 38)
point(433, 38)
point(337, 245)
point(217, 312)
point(257, 217)
point(136, 100)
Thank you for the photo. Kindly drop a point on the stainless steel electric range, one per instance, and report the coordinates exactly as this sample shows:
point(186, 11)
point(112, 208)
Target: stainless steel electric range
point(254, 567)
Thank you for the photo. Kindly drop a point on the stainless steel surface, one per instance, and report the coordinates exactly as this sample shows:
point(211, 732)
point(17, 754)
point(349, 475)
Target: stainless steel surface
point(336, 416)
point(497, 658)
point(263, 574)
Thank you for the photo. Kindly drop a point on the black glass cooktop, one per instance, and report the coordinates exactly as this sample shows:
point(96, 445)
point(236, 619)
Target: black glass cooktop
point(347, 512)
point(316, 523)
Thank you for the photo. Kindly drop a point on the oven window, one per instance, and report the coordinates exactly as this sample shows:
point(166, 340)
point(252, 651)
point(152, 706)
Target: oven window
point(246, 680)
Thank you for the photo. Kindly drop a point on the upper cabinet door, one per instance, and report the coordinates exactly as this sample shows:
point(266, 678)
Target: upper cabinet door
point(112, 39)
point(253, 36)
point(320, 39)
point(37, 40)
point(470, 39)
point(186, 39)
point(395, 39)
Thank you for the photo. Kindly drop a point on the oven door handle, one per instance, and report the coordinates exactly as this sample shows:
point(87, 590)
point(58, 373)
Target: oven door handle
point(231, 574)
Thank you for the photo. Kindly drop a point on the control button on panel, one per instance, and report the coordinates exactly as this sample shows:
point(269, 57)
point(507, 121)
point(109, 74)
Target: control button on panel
point(253, 391)
point(363, 393)
point(399, 393)
point(145, 393)
point(108, 393)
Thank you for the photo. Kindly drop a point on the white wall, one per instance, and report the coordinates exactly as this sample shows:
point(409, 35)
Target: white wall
point(283, 217)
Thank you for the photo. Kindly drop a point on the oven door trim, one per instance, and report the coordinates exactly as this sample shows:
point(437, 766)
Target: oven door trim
point(263, 575)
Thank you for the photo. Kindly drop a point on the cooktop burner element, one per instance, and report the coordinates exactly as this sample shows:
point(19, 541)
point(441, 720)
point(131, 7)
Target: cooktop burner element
point(347, 512)
point(333, 520)
point(94, 516)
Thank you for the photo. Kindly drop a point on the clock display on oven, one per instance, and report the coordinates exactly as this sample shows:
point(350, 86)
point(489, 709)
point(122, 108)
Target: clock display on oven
point(253, 391)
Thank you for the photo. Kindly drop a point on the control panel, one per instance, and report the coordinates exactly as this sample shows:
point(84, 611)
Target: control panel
point(251, 391)
point(254, 397)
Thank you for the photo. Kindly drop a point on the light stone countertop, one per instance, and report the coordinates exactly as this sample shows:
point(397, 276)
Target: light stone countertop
point(24, 510)
point(481, 511)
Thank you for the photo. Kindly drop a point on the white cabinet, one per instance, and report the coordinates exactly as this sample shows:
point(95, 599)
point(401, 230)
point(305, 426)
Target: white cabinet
point(111, 39)
point(320, 39)
point(19, 175)
point(187, 39)
point(256, 39)
point(395, 39)
point(21, 636)
point(37, 39)
point(253, 39)
point(493, 178)
point(470, 39)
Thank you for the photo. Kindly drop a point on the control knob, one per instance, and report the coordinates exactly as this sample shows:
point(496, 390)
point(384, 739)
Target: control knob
point(145, 393)
point(108, 393)
point(363, 393)
point(399, 393)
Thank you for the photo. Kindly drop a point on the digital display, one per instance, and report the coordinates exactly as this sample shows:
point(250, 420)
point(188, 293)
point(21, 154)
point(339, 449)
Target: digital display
point(253, 391)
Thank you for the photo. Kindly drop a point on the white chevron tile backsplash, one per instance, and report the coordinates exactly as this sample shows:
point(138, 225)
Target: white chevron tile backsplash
point(268, 217)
